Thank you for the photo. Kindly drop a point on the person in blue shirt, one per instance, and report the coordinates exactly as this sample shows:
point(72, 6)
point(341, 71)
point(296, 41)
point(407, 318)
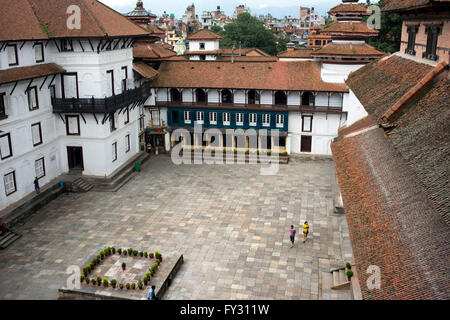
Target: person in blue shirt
point(151, 294)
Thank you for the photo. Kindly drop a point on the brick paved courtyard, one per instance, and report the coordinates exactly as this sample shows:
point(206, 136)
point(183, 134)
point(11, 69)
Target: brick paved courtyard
point(230, 223)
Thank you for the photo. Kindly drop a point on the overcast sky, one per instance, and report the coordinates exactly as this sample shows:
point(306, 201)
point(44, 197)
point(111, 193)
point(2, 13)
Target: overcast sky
point(278, 8)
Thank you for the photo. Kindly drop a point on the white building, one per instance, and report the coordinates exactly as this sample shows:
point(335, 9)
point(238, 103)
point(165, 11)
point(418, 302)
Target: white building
point(203, 45)
point(69, 98)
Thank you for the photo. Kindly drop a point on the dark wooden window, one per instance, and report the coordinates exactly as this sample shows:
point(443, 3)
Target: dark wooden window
point(39, 166)
point(175, 117)
point(9, 180)
point(127, 143)
point(127, 116)
point(125, 77)
point(5, 146)
point(307, 122)
point(114, 151)
point(66, 46)
point(33, 100)
point(412, 33)
point(110, 74)
point(69, 85)
point(202, 46)
point(13, 56)
point(73, 125)
point(433, 32)
point(39, 52)
point(36, 134)
point(112, 122)
point(2, 106)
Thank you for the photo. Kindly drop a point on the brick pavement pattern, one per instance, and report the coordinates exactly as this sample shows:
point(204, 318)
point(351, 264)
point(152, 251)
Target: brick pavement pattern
point(230, 223)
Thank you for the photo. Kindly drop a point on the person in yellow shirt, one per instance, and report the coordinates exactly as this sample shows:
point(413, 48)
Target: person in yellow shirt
point(305, 231)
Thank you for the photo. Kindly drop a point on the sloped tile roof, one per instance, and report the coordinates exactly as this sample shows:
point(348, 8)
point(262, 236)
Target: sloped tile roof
point(379, 85)
point(48, 19)
point(349, 8)
point(348, 50)
point(392, 223)
point(152, 51)
point(298, 75)
point(145, 70)
point(27, 73)
point(298, 53)
point(345, 28)
point(401, 5)
point(204, 34)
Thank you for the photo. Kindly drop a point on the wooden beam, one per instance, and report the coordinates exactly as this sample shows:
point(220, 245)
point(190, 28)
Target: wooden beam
point(62, 118)
point(90, 43)
point(14, 88)
point(95, 117)
point(82, 117)
point(45, 79)
point(56, 44)
point(53, 79)
point(22, 45)
point(81, 45)
point(29, 84)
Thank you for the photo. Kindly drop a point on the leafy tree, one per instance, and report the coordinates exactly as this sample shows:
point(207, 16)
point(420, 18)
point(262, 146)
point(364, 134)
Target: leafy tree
point(216, 29)
point(249, 32)
point(390, 34)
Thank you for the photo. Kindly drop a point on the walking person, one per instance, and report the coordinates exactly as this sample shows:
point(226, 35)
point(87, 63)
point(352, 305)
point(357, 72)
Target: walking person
point(36, 185)
point(151, 294)
point(305, 231)
point(292, 235)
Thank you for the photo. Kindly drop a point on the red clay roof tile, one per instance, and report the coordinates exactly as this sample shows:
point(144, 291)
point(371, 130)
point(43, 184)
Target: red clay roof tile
point(27, 73)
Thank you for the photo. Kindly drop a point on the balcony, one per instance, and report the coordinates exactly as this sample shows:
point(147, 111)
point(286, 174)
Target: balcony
point(101, 105)
point(255, 107)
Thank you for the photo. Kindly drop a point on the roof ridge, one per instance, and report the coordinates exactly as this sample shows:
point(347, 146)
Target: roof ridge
point(37, 18)
point(408, 96)
point(92, 16)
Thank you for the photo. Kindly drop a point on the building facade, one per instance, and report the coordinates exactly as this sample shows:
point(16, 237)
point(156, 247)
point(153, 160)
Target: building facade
point(69, 102)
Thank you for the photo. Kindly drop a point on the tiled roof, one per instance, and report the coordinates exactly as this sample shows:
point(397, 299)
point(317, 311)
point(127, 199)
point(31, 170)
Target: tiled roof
point(145, 70)
point(244, 52)
point(214, 52)
point(392, 223)
point(155, 29)
point(48, 19)
point(401, 5)
point(346, 28)
point(298, 53)
point(152, 51)
point(27, 73)
point(298, 75)
point(348, 8)
point(248, 59)
point(348, 50)
point(362, 124)
point(379, 85)
point(204, 34)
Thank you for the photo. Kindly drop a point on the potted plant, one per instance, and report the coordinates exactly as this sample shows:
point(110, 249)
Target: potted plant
point(98, 259)
point(133, 286)
point(81, 278)
point(349, 274)
point(113, 283)
point(113, 250)
point(87, 280)
point(147, 275)
point(145, 281)
point(105, 282)
point(85, 271)
point(128, 286)
point(130, 251)
point(348, 265)
point(124, 252)
point(145, 254)
point(135, 253)
point(88, 268)
point(124, 266)
point(119, 251)
point(141, 254)
point(158, 256)
point(108, 250)
point(151, 255)
point(121, 286)
point(140, 284)
point(99, 281)
point(102, 254)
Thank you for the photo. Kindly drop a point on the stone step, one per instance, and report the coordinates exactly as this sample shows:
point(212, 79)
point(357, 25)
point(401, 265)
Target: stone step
point(8, 238)
point(82, 185)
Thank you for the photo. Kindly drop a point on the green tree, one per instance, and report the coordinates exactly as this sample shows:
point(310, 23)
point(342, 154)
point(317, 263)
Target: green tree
point(390, 34)
point(249, 32)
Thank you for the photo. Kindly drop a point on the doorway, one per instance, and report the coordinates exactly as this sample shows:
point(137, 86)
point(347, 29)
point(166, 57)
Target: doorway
point(75, 158)
point(306, 144)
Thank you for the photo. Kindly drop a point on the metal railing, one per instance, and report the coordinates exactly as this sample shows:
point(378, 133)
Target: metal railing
point(101, 105)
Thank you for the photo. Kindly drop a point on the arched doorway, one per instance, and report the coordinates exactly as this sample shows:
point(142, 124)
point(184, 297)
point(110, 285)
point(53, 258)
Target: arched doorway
point(200, 96)
point(253, 97)
point(307, 99)
point(227, 96)
point(280, 98)
point(176, 95)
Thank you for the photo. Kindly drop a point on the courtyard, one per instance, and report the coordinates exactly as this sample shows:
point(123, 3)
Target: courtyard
point(230, 223)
